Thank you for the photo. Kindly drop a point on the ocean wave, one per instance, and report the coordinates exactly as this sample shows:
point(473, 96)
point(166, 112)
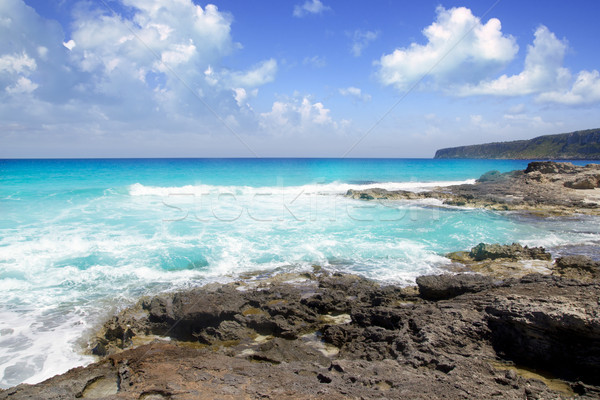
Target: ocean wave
point(333, 188)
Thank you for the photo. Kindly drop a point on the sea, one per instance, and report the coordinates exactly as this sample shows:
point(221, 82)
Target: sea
point(81, 239)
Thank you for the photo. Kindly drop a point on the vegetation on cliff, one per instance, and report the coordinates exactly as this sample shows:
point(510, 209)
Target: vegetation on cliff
point(578, 145)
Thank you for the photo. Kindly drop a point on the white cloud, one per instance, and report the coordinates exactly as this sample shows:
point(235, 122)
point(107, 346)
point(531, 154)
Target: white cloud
point(17, 63)
point(315, 61)
point(297, 116)
point(585, 90)
point(242, 96)
point(165, 57)
point(543, 75)
point(543, 69)
point(126, 81)
point(177, 54)
point(70, 44)
point(516, 122)
point(30, 60)
point(459, 48)
point(360, 40)
point(182, 37)
point(356, 93)
point(310, 7)
point(23, 85)
point(259, 75)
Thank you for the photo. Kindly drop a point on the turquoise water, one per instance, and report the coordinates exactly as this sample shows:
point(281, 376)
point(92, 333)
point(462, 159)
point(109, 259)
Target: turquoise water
point(80, 238)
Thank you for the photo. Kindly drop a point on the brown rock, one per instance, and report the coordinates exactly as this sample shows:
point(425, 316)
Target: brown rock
point(440, 287)
point(393, 346)
point(587, 182)
point(513, 251)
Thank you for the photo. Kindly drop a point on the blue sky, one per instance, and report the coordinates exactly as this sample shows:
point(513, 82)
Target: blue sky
point(305, 78)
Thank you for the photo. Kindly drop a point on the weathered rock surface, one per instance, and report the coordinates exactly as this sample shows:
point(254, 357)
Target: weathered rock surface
point(441, 287)
point(340, 336)
point(544, 188)
point(502, 261)
point(578, 267)
point(515, 251)
point(559, 331)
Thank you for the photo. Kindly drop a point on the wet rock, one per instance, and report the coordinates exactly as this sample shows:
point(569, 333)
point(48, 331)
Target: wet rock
point(439, 287)
point(578, 262)
point(559, 333)
point(550, 167)
point(491, 176)
point(279, 350)
point(513, 251)
point(578, 267)
point(262, 340)
point(543, 189)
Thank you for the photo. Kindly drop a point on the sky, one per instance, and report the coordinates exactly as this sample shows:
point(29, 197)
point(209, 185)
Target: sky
point(298, 78)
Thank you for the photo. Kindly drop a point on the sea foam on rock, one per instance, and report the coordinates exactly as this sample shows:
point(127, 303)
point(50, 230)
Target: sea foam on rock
point(545, 188)
point(334, 336)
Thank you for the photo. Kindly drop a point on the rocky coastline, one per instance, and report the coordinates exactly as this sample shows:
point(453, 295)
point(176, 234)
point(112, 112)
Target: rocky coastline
point(331, 335)
point(506, 321)
point(545, 188)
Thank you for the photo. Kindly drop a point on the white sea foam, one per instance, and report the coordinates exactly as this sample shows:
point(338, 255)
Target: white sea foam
point(67, 268)
point(138, 189)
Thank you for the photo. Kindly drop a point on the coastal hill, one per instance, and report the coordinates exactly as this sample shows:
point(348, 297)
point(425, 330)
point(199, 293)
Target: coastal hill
point(578, 145)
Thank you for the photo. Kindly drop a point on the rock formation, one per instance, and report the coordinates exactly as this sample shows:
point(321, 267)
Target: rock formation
point(544, 188)
point(337, 336)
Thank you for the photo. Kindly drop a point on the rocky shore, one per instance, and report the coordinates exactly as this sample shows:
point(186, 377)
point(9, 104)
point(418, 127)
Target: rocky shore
point(544, 188)
point(506, 321)
point(336, 336)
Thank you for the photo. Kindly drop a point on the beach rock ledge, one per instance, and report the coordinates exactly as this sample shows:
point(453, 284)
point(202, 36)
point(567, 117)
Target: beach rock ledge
point(336, 336)
point(544, 188)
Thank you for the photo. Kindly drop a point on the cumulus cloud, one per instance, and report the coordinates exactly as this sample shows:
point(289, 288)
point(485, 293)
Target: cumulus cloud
point(257, 76)
point(544, 76)
point(17, 63)
point(310, 7)
point(355, 93)
point(32, 58)
point(585, 90)
point(242, 95)
point(360, 40)
point(459, 48)
point(461, 53)
point(23, 85)
point(128, 78)
point(543, 69)
point(16, 69)
point(298, 116)
point(181, 38)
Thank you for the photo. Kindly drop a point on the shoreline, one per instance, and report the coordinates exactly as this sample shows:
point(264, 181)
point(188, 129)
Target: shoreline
point(545, 188)
point(331, 335)
point(308, 321)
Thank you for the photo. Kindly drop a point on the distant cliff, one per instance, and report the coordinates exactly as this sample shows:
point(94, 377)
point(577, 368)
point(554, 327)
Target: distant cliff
point(579, 145)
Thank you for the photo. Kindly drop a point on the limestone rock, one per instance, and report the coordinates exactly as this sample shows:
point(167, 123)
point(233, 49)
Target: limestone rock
point(336, 336)
point(586, 182)
point(439, 287)
point(513, 251)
